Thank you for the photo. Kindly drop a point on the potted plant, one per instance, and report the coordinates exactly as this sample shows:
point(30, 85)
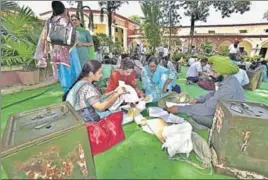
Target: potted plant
point(23, 54)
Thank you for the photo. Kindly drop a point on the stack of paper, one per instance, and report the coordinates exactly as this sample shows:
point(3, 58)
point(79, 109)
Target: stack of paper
point(175, 119)
point(160, 113)
point(157, 112)
point(170, 104)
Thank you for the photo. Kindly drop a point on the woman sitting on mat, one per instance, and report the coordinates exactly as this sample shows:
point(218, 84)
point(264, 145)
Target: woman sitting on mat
point(85, 98)
point(157, 80)
point(125, 73)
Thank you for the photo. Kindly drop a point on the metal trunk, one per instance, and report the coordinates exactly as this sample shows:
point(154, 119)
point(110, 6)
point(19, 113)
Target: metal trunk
point(47, 143)
point(239, 136)
point(255, 79)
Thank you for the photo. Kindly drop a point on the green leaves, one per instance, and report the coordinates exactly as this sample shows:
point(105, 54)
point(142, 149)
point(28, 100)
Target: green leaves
point(17, 52)
point(207, 47)
point(265, 15)
point(169, 13)
point(151, 26)
point(135, 18)
point(19, 34)
point(9, 6)
point(229, 7)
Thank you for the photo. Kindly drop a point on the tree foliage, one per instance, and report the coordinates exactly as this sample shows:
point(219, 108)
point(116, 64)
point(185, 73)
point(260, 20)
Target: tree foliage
point(169, 13)
point(80, 12)
point(110, 7)
point(199, 10)
point(151, 26)
point(102, 40)
point(19, 34)
point(7, 6)
point(135, 18)
point(207, 47)
point(170, 16)
point(265, 15)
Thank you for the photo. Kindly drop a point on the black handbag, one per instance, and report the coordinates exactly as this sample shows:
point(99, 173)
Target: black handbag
point(59, 34)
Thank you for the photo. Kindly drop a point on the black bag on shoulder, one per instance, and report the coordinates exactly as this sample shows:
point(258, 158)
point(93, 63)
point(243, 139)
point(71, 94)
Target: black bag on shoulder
point(59, 34)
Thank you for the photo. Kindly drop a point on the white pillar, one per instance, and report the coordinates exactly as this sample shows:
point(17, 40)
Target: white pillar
point(113, 33)
point(125, 39)
point(106, 26)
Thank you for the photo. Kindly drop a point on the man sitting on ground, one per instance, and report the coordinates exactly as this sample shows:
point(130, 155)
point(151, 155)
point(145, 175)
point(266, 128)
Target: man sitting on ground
point(195, 70)
point(192, 60)
point(202, 109)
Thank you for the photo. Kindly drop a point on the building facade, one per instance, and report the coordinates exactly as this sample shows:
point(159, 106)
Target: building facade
point(253, 37)
point(122, 27)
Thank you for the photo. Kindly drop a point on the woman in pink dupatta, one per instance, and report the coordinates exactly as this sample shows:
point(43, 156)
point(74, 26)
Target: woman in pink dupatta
point(64, 59)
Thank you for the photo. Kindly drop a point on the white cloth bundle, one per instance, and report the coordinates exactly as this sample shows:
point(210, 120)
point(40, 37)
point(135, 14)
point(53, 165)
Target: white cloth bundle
point(178, 139)
point(130, 97)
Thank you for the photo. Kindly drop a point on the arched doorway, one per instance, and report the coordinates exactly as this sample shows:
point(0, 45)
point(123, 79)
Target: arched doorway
point(223, 47)
point(225, 43)
point(263, 51)
point(245, 46)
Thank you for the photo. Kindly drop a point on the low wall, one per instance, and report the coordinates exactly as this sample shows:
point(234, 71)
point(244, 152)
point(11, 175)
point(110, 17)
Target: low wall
point(9, 78)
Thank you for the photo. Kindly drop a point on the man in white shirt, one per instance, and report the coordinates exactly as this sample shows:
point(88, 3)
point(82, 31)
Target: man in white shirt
point(242, 77)
point(166, 52)
point(195, 70)
point(160, 52)
point(192, 60)
point(233, 50)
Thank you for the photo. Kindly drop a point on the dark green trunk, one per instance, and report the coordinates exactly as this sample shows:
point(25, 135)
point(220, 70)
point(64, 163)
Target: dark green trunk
point(109, 19)
point(191, 34)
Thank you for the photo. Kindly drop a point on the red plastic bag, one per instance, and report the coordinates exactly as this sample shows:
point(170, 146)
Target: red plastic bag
point(106, 133)
point(207, 85)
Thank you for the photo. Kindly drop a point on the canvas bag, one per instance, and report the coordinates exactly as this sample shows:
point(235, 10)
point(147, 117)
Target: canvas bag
point(105, 133)
point(58, 34)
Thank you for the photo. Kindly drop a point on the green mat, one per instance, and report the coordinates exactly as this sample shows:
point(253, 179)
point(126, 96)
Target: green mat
point(140, 154)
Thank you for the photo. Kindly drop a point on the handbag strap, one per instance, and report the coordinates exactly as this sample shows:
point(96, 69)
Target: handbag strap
point(58, 20)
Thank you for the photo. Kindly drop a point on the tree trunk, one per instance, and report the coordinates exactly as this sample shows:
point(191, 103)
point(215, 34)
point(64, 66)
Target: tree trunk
point(82, 14)
point(170, 29)
point(79, 12)
point(191, 34)
point(109, 11)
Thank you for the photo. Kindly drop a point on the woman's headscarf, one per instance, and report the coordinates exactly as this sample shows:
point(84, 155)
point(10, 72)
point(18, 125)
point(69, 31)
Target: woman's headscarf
point(223, 65)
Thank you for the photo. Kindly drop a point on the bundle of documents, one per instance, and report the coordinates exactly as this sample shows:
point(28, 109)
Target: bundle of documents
point(161, 113)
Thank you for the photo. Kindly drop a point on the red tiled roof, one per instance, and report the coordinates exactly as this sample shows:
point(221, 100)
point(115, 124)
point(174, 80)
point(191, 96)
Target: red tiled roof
point(95, 12)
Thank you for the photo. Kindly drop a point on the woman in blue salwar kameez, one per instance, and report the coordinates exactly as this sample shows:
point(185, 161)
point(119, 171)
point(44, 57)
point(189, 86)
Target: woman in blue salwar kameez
point(158, 80)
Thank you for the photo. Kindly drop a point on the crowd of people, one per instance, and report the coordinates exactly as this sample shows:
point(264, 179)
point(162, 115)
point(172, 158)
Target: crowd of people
point(77, 69)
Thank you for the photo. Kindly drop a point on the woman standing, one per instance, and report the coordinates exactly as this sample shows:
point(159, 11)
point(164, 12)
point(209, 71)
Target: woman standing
point(85, 46)
point(63, 58)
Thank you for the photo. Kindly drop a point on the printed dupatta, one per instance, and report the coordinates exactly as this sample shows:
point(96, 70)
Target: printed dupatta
point(59, 54)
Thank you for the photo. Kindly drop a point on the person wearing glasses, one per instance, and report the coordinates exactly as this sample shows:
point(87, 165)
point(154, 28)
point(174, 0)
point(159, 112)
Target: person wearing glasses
point(85, 46)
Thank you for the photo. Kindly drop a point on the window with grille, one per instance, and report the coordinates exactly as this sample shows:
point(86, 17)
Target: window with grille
point(211, 32)
point(243, 31)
